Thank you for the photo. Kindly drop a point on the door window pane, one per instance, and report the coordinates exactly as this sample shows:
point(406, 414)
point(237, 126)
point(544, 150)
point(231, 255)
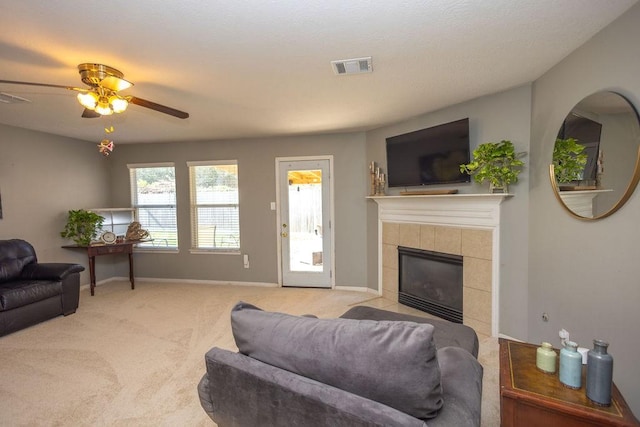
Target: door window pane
point(305, 220)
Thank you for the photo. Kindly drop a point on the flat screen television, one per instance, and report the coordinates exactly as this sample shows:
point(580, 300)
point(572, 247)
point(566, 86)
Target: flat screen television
point(429, 156)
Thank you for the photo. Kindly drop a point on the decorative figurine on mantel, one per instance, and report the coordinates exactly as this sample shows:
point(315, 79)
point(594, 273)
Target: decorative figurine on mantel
point(377, 180)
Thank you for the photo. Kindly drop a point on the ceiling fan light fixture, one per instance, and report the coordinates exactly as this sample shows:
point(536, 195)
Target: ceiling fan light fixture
point(103, 108)
point(118, 104)
point(88, 100)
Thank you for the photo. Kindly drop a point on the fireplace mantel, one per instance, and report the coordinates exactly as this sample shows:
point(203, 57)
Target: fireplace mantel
point(460, 210)
point(472, 211)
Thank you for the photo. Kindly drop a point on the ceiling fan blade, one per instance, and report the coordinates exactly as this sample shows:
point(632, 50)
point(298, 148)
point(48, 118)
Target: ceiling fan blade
point(157, 107)
point(89, 114)
point(78, 89)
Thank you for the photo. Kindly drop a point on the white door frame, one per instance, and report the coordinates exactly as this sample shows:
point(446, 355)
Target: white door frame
point(279, 160)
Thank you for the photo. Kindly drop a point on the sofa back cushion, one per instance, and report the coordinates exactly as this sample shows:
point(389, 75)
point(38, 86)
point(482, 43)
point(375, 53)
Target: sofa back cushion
point(391, 362)
point(14, 255)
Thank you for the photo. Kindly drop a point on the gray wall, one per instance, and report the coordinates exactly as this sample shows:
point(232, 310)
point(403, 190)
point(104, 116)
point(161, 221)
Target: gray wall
point(42, 177)
point(258, 232)
point(585, 274)
point(504, 115)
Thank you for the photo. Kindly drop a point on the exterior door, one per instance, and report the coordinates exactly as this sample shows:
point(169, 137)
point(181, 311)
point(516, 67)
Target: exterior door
point(304, 222)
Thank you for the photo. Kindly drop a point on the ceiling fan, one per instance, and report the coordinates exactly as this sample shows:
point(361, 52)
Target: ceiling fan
point(102, 97)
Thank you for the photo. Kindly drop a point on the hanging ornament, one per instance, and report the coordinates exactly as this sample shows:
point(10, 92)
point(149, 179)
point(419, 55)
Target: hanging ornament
point(106, 146)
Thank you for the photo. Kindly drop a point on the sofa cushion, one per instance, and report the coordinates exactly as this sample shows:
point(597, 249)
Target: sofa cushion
point(393, 363)
point(462, 384)
point(22, 292)
point(14, 255)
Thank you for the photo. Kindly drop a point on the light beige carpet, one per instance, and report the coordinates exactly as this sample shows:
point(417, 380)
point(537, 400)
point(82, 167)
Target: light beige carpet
point(134, 358)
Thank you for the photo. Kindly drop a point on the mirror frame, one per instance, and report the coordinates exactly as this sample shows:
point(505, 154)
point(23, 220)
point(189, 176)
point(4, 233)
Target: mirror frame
point(633, 182)
point(627, 194)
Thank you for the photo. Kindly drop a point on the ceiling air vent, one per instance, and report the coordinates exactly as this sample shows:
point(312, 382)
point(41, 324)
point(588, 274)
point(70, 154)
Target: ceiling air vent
point(7, 98)
point(352, 66)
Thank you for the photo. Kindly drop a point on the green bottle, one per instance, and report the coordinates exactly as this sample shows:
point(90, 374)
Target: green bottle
point(546, 358)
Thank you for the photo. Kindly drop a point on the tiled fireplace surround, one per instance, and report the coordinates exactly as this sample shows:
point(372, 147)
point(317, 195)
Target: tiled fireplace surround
point(467, 225)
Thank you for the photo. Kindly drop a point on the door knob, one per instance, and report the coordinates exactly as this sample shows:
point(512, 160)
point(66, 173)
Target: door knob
point(284, 234)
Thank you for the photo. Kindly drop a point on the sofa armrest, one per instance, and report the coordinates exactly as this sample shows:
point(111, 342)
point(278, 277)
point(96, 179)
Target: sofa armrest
point(49, 271)
point(461, 379)
point(240, 391)
point(67, 274)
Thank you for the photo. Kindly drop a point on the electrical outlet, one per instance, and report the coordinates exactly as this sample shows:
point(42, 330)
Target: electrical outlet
point(246, 261)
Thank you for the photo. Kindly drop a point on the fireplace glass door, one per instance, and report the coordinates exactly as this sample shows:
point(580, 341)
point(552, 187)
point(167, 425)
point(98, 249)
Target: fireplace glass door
point(431, 282)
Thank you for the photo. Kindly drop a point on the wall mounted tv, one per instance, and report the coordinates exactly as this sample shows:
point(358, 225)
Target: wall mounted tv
point(429, 156)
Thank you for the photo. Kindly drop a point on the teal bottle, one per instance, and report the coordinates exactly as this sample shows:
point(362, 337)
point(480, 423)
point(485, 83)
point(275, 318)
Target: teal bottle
point(599, 373)
point(571, 365)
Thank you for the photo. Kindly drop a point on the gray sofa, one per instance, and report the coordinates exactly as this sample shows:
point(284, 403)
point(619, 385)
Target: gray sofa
point(369, 367)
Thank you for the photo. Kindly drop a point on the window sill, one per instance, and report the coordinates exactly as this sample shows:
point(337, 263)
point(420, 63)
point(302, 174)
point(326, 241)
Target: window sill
point(214, 252)
point(157, 250)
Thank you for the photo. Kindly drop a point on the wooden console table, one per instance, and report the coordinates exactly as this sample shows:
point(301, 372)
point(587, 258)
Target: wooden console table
point(107, 249)
point(531, 398)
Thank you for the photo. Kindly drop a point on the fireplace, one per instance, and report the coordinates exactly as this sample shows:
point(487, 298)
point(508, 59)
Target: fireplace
point(460, 224)
point(431, 282)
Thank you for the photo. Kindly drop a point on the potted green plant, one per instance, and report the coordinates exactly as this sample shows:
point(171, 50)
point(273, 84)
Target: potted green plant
point(496, 162)
point(82, 226)
point(568, 160)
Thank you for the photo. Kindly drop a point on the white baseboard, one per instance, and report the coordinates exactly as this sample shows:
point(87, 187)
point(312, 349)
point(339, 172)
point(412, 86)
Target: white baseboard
point(357, 289)
point(102, 282)
point(204, 282)
point(222, 282)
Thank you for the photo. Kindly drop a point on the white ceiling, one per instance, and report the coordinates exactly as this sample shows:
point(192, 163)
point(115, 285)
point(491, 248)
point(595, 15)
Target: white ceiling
point(253, 68)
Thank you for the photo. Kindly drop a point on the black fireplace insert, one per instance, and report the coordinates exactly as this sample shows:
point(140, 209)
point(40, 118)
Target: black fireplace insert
point(431, 282)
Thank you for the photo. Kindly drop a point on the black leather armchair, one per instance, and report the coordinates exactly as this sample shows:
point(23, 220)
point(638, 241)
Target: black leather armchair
point(31, 292)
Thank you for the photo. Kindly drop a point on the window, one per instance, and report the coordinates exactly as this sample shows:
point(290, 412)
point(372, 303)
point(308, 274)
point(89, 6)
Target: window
point(215, 218)
point(153, 194)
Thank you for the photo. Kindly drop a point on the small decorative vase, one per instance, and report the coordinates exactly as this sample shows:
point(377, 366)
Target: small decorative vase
point(502, 188)
point(546, 358)
point(599, 373)
point(570, 365)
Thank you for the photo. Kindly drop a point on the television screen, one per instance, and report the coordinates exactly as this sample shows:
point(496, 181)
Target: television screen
point(429, 156)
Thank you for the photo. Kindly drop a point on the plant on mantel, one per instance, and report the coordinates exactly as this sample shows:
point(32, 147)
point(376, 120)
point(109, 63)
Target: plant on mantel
point(496, 162)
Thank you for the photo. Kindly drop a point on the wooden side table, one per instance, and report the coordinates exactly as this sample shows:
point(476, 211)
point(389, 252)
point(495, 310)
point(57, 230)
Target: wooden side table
point(531, 398)
point(125, 247)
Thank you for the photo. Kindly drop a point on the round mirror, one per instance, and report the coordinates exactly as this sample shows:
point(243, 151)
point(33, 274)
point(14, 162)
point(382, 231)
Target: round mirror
point(596, 156)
